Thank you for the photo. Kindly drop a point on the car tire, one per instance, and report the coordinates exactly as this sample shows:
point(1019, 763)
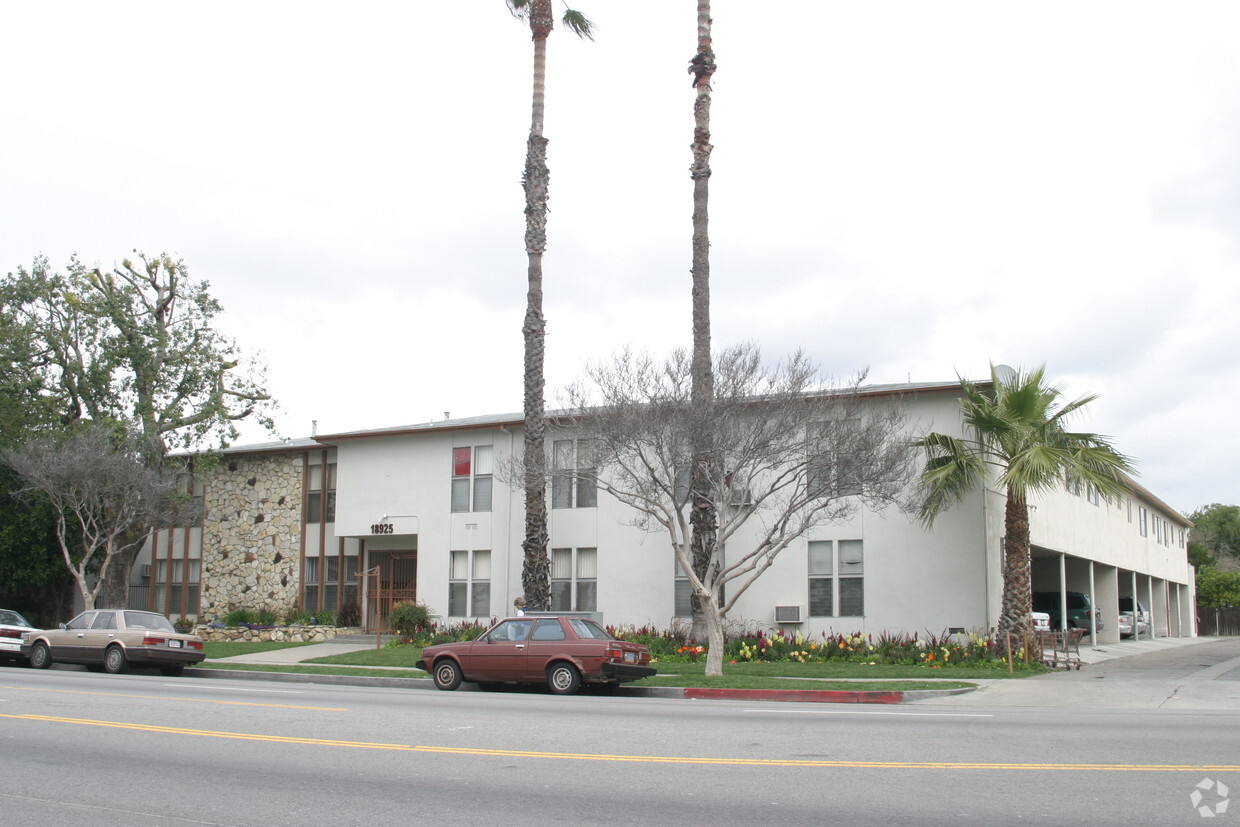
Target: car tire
point(171, 671)
point(447, 675)
point(114, 660)
point(40, 656)
point(563, 679)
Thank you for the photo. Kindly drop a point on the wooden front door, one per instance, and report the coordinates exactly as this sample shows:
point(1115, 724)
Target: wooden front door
point(397, 582)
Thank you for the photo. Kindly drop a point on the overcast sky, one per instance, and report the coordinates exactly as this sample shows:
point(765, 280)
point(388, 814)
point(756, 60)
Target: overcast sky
point(920, 188)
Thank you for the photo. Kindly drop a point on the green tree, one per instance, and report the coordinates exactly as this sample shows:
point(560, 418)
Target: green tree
point(1216, 531)
point(1016, 436)
point(1218, 589)
point(136, 348)
point(704, 515)
point(536, 571)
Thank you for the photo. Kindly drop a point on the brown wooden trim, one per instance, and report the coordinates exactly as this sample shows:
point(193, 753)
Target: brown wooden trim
point(301, 542)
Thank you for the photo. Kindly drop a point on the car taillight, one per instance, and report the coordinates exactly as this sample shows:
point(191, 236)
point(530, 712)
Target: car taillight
point(11, 633)
point(153, 641)
point(615, 653)
point(194, 644)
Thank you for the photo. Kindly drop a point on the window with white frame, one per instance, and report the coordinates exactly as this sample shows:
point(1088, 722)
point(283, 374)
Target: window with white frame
point(1130, 510)
point(684, 590)
point(321, 496)
point(573, 480)
point(469, 584)
point(1092, 494)
point(828, 473)
point(472, 470)
point(836, 578)
point(1143, 521)
point(574, 579)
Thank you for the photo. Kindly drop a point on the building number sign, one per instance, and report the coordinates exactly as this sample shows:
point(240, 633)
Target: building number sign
point(381, 528)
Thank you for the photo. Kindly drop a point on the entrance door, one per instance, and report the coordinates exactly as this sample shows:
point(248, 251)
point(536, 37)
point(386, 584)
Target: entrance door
point(397, 583)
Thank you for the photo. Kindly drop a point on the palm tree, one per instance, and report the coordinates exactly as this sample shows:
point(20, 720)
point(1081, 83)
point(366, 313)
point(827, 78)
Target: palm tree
point(1017, 431)
point(535, 573)
point(702, 515)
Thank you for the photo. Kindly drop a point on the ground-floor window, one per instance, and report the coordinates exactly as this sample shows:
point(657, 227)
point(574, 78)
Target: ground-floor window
point(836, 578)
point(338, 588)
point(574, 579)
point(176, 594)
point(469, 584)
point(684, 592)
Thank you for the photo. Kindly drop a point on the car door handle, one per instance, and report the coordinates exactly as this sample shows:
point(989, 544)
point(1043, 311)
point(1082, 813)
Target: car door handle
point(520, 645)
point(81, 634)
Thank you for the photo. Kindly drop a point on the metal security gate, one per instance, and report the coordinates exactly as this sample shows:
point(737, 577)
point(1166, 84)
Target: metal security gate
point(392, 578)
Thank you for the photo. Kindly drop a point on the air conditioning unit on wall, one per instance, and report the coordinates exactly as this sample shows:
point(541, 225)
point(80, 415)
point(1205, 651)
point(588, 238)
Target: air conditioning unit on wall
point(788, 614)
point(146, 570)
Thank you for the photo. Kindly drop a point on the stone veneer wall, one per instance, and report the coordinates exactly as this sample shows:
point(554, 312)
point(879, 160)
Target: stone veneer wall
point(251, 535)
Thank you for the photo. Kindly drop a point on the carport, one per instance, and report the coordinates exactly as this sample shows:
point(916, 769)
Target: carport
point(1169, 604)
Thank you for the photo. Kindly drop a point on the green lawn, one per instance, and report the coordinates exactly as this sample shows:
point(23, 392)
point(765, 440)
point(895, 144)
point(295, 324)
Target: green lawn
point(398, 662)
point(245, 647)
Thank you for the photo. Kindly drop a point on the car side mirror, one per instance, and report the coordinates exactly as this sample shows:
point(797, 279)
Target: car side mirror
point(64, 627)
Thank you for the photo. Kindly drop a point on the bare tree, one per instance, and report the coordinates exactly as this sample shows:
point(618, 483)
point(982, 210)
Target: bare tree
point(103, 494)
point(787, 457)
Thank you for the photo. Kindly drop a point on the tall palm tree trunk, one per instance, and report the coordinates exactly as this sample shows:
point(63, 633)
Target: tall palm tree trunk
point(702, 516)
point(1014, 617)
point(536, 571)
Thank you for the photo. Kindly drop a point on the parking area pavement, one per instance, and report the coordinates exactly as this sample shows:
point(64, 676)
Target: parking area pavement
point(1165, 673)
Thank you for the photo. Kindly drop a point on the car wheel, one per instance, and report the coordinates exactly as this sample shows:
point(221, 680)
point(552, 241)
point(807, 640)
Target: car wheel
point(563, 679)
point(171, 671)
point(447, 675)
point(40, 656)
point(114, 660)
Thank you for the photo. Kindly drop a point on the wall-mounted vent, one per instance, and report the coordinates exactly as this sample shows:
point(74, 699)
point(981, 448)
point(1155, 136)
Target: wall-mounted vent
point(787, 614)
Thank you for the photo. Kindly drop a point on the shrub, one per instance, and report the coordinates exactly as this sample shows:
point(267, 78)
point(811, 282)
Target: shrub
point(349, 615)
point(407, 619)
point(297, 617)
point(324, 617)
point(265, 617)
point(239, 617)
point(183, 625)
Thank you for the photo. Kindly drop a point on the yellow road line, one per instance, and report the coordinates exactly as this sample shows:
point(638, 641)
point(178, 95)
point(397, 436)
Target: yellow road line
point(640, 759)
point(176, 698)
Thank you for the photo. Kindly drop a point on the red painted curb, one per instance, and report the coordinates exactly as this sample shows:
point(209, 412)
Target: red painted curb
point(824, 696)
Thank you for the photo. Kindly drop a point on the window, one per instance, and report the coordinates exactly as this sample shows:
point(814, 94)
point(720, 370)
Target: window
point(684, 590)
point(830, 473)
point(1142, 521)
point(469, 584)
point(315, 511)
point(472, 469)
point(174, 592)
point(1072, 486)
point(1130, 511)
point(324, 573)
point(574, 580)
point(1092, 494)
point(574, 475)
point(836, 578)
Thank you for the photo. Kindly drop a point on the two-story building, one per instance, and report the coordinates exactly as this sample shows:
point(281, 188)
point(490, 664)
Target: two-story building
point(418, 512)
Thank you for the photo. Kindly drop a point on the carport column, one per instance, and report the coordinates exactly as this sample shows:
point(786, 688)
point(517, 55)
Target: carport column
point(1136, 634)
point(1150, 604)
point(1093, 611)
point(1063, 592)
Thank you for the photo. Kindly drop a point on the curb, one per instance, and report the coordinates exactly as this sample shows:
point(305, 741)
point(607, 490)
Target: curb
point(823, 696)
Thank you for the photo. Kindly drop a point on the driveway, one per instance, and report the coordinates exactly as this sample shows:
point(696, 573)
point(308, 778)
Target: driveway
point(1172, 673)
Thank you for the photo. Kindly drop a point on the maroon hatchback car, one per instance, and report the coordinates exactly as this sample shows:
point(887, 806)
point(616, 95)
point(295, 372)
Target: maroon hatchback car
point(562, 652)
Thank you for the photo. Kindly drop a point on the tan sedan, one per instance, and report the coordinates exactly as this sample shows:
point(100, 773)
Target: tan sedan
point(113, 640)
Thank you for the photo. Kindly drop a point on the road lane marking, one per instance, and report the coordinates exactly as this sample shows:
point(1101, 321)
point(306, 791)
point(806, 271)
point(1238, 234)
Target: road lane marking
point(872, 712)
point(637, 759)
point(176, 698)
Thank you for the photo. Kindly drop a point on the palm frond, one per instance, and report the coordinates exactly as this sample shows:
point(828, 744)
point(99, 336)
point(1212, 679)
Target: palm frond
point(953, 468)
point(578, 24)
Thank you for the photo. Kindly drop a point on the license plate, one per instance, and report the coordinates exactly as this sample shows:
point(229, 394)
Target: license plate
point(174, 644)
point(630, 657)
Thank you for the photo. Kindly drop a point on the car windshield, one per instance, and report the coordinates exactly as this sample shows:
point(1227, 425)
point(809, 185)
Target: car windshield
point(588, 629)
point(147, 620)
point(1125, 604)
point(12, 619)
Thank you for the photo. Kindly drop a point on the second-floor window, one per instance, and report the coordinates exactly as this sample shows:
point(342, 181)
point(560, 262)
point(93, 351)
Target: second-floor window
point(472, 470)
point(321, 498)
point(573, 481)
